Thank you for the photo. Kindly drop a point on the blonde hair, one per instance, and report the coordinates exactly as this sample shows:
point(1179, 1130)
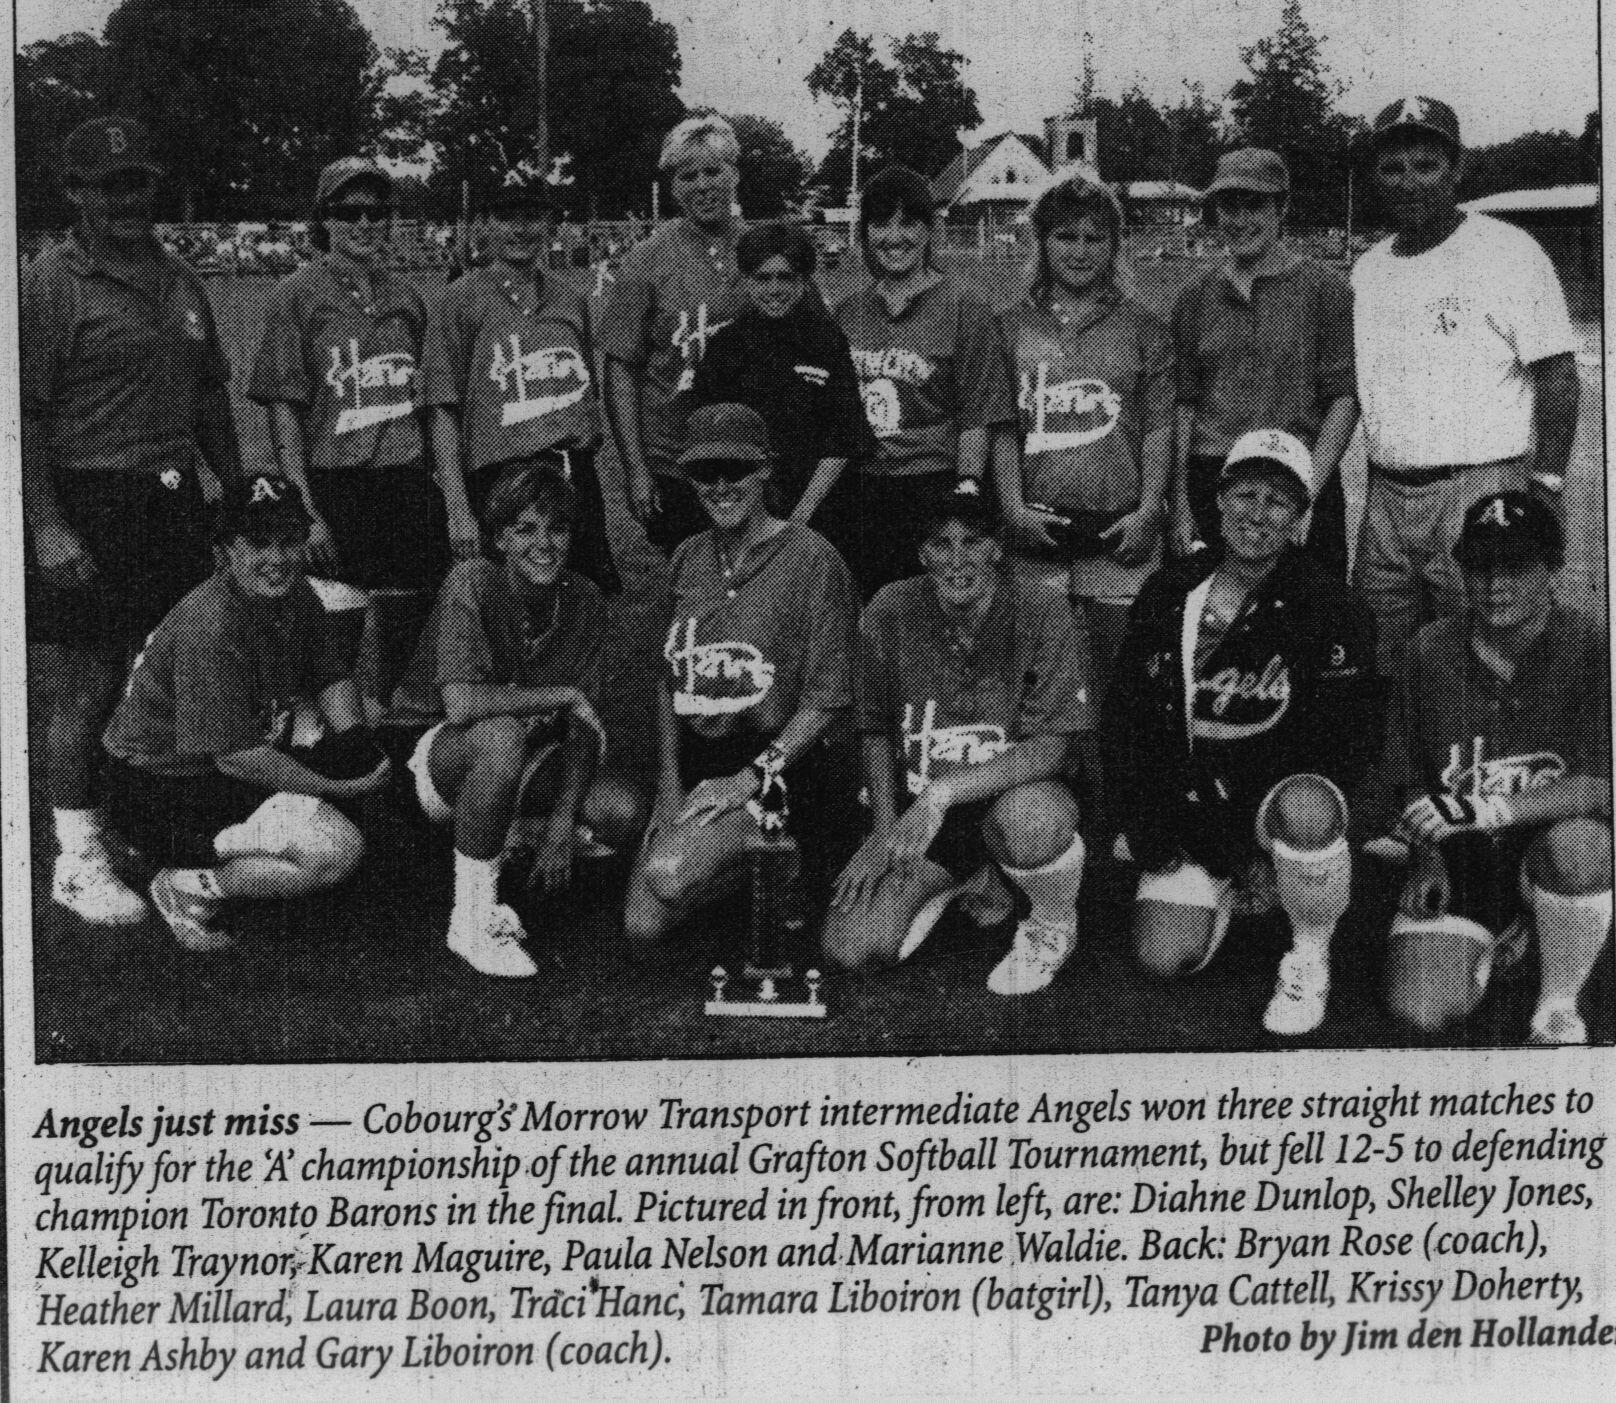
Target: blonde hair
point(1076, 190)
point(704, 130)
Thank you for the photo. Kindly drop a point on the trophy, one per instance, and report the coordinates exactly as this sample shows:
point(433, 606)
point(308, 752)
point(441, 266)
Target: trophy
point(775, 861)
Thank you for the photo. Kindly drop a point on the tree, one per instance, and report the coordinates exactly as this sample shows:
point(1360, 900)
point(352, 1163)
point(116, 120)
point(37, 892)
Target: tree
point(613, 71)
point(1288, 104)
point(910, 109)
point(1531, 161)
point(59, 84)
point(247, 100)
point(772, 169)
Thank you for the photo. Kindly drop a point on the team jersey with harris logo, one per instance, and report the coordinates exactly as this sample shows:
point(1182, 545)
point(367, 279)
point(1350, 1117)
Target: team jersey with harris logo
point(1458, 729)
point(221, 674)
point(749, 646)
point(515, 356)
point(1089, 388)
point(348, 356)
point(927, 372)
point(673, 292)
point(948, 703)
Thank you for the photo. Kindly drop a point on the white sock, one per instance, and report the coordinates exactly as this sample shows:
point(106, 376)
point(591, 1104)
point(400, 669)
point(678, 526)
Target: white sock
point(200, 882)
point(78, 831)
point(476, 881)
point(1052, 889)
point(1315, 889)
point(1571, 933)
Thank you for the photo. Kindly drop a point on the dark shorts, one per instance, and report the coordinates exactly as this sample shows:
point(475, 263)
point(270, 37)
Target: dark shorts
point(173, 820)
point(1485, 874)
point(150, 546)
point(876, 522)
point(591, 552)
point(389, 523)
point(679, 514)
point(959, 847)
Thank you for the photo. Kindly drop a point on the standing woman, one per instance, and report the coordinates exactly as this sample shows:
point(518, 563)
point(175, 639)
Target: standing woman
point(673, 292)
point(758, 652)
point(1084, 497)
point(786, 358)
point(509, 372)
point(1264, 340)
point(338, 372)
point(933, 376)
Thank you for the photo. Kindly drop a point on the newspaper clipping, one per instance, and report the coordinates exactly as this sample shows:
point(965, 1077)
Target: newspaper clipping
point(745, 700)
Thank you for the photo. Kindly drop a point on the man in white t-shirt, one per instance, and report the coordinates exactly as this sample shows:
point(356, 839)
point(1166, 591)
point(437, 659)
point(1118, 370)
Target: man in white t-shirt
point(1466, 371)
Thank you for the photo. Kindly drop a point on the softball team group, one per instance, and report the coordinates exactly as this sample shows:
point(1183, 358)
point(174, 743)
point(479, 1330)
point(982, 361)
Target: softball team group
point(982, 594)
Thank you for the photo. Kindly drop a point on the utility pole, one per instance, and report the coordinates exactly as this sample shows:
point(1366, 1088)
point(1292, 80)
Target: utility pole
point(541, 82)
point(858, 116)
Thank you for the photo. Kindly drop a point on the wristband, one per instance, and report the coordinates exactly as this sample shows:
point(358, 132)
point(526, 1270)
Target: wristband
point(770, 764)
point(1487, 814)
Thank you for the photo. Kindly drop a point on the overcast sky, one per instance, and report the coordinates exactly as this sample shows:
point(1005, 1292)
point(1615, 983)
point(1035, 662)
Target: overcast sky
point(1508, 65)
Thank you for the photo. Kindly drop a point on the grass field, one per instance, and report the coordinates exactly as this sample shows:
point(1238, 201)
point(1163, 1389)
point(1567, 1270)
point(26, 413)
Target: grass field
point(362, 974)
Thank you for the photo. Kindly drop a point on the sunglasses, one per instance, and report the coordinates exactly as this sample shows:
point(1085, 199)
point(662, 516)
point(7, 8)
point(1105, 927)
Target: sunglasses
point(354, 213)
point(716, 470)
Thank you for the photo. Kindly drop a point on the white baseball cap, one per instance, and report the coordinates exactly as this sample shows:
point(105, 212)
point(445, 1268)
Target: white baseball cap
point(1276, 449)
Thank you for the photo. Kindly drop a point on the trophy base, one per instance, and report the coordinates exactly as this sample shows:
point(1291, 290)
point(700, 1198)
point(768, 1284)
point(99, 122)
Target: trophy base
point(756, 1008)
point(768, 1003)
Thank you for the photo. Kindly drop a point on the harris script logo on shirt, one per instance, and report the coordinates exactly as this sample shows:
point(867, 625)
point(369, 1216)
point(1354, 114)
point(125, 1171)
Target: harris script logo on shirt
point(1474, 776)
point(1071, 414)
point(387, 374)
point(714, 679)
point(931, 744)
point(690, 338)
point(516, 371)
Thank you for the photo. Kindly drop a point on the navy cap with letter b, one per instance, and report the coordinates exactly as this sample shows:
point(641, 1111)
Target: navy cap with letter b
point(104, 146)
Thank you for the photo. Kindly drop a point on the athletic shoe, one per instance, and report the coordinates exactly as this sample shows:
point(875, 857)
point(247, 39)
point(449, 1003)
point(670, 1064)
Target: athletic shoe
point(1558, 1025)
point(1300, 994)
point(189, 917)
point(493, 944)
point(1222, 916)
point(88, 887)
point(1039, 950)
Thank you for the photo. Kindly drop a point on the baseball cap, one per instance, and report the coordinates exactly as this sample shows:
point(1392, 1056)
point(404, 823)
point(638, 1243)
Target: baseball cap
point(1416, 114)
point(1250, 168)
point(343, 172)
point(521, 192)
point(1274, 449)
point(260, 506)
point(1510, 527)
point(968, 502)
point(105, 145)
point(725, 433)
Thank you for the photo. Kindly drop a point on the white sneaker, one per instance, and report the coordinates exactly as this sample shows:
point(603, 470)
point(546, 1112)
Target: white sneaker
point(88, 887)
point(925, 920)
point(189, 917)
point(1039, 950)
point(1300, 994)
point(492, 944)
point(1558, 1025)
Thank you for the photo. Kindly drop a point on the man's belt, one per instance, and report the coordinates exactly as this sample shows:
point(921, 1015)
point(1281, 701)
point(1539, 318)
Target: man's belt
point(1424, 477)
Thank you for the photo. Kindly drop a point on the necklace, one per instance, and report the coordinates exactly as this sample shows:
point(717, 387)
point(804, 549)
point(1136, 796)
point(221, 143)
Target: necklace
point(535, 638)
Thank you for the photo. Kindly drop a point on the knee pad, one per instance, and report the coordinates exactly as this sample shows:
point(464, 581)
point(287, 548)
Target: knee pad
point(1185, 885)
point(297, 828)
point(336, 597)
point(433, 805)
point(1265, 810)
point(1315, 888)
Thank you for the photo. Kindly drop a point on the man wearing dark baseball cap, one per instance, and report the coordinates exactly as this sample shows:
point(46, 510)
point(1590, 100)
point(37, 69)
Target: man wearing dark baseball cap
point(1466, 370)
point(1497, 776)
point(1263, 339)
point(123, 384)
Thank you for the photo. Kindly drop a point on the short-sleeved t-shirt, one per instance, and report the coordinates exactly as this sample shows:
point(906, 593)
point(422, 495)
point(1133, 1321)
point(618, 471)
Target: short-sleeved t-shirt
point(221, 674)
point(1444, 342)
point(1457, 728)
point(1277, 361)
point(749, 647)
point(516, 358)
point(672, 293)
point(933, 369)
point(946, 706)
point(349, 360)
point(113, 373)
point(1089, 389)
point(482, 631)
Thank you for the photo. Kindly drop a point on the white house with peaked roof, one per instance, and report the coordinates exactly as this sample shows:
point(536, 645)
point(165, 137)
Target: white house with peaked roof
point(991, 182)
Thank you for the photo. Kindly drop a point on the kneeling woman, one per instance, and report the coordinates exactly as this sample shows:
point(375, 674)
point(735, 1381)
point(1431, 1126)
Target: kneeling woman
point(758, 645)
point(510, 660)
point(1244, 704)
point(969, 691)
